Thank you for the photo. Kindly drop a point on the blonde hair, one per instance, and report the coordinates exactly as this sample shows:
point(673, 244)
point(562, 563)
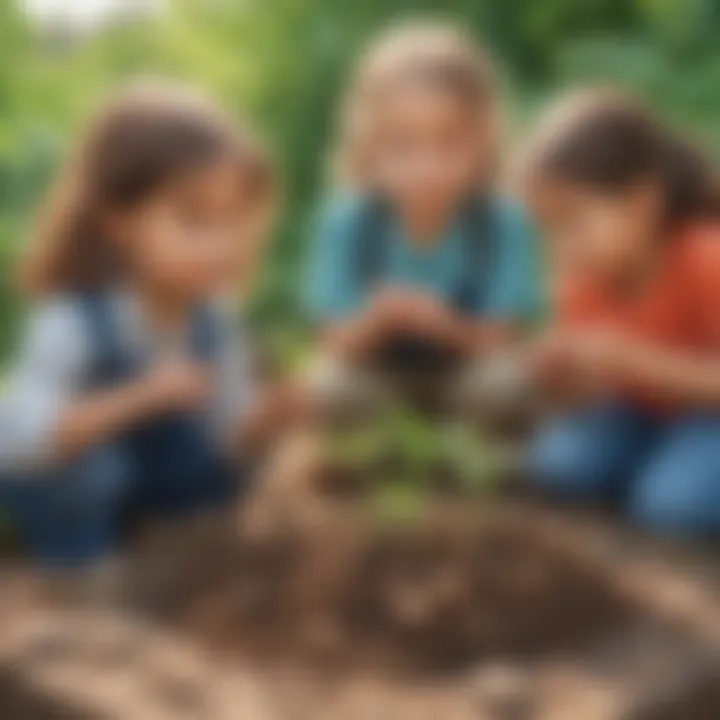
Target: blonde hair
point(429, 51)
point(146, 135)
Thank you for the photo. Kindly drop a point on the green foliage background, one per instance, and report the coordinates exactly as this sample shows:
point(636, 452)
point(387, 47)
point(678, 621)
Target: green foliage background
point(284, 62)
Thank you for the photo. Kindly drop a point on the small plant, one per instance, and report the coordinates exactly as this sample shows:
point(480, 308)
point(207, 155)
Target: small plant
point(404, 454)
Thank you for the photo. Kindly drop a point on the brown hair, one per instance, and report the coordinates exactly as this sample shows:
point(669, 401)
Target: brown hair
point(609, 142)
point(426, 51)
point(146, 135)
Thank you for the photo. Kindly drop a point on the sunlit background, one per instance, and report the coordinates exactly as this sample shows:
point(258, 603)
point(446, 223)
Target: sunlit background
point(88, 14)
point(285, 60)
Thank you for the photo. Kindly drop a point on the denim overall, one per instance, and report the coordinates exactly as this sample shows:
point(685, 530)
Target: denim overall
point(74, 514)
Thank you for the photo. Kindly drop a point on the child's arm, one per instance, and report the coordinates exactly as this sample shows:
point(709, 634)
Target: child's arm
point(98, 416)
point(465, 336)
point(334, 291)
point(589, 362)
point(274, 411)
point(688, 380)
point(356, 337)
point(584, 346)
point(421, 314)
point(251, 413)
point(608, 360)
point(353, 338)
point(402, 310)
point(472, 337)
point(46, 416)
point(678, 377)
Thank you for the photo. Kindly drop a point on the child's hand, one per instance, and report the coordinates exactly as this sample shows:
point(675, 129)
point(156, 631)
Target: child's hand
point(600, 356)
point(549, 356)
point(405, 309)
point(176, 384)
point(290, 401)
point(278, 409)
point(596, 359)
point(390, 307)
point(430, 315)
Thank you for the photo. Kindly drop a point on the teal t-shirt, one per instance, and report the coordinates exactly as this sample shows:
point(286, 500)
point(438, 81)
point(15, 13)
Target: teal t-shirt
point(509, 290)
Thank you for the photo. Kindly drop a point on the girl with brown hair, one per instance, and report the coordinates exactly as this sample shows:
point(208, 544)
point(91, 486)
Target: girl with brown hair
point(132, 383)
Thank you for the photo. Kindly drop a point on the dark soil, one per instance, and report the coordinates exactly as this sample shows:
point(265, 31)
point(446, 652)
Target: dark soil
point(434, 594)
point(501, 610)
point(19, 700)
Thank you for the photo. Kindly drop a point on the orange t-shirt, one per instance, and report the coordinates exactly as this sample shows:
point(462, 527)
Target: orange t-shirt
point(680, 308)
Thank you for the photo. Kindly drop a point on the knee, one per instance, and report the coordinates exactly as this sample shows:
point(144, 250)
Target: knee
point(663, 515)
point(662, 503)
point(558, 463)
point(678, 491)
point(100, 479)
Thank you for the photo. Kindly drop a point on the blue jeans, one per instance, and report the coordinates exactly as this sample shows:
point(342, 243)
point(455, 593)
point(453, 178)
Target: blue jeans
point(666, 473)
point(73, 515)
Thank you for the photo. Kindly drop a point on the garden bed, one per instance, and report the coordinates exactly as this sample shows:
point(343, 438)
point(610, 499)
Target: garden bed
point(433, 592)
point(500, 610)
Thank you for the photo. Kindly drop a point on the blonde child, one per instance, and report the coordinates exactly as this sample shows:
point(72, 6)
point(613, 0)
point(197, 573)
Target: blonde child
point(420, 264)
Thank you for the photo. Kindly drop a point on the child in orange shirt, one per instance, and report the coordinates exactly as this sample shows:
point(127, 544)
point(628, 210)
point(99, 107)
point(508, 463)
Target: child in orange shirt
point(632, 217)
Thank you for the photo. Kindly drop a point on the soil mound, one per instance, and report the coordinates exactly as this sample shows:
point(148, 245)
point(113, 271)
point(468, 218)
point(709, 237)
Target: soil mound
point(345, 588)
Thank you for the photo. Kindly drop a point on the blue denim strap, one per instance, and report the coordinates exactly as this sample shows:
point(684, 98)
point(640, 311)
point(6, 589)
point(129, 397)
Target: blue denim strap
point(111, 362)
point(478, 237)
point(112, 358)
point(205, 334)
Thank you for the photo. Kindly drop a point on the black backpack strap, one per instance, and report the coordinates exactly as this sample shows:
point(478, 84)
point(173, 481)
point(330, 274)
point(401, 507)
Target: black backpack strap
point(478, 235)
point(372, 228)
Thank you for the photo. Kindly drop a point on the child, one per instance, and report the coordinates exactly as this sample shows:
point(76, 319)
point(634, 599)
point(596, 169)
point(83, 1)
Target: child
point(633, 217)
point(421, 266)
point(131, 387)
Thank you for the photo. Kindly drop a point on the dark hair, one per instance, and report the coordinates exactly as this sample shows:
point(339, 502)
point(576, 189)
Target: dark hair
point(145, 137)
point(609, 142)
